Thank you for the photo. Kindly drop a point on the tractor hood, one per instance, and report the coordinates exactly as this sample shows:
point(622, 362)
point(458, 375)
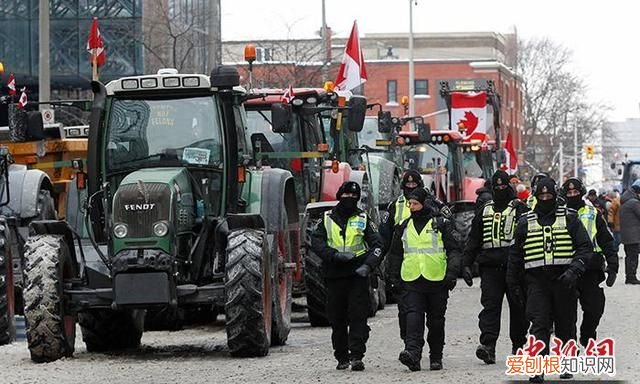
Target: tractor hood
point(148, 196)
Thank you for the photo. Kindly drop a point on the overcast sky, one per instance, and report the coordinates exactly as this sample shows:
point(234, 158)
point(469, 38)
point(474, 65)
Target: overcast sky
point(604, 35)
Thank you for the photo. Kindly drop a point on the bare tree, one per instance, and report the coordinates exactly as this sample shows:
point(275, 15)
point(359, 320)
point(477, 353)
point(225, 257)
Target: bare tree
point(554, 102)
point(175, 36)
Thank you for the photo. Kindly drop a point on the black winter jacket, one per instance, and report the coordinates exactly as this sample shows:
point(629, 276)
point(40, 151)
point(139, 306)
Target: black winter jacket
point(630, 217)
point(333, 269)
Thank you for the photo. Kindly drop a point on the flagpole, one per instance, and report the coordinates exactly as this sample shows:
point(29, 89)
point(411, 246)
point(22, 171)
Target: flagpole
point(94, 65)
point(44, 75)
point(412, 107)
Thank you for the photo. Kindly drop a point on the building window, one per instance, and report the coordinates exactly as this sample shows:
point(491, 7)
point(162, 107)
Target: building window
point(421, 87)
point(392, 91)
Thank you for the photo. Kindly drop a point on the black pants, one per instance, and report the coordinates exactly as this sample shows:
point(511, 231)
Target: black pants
point(592, 300)
point(631, 260)
point(401, 298)
point(550, 303)
point(494, 287)
point(433, 304)
point(347, 310)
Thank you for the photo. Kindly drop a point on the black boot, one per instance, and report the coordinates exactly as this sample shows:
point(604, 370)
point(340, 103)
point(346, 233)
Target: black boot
point(632, 280)
point(486, 354)
point(357, 365)
point(342, 365)
point(566, 376)
point(537, 379)
point(435, 365)
point(412, 362)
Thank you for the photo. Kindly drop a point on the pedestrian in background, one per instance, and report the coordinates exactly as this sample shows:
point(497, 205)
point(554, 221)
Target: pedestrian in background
point(630, 231)
point(350, 248)
point(613, 216)
point(424, 258)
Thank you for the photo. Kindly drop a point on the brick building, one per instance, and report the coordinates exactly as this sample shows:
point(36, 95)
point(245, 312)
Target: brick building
point(465, 60)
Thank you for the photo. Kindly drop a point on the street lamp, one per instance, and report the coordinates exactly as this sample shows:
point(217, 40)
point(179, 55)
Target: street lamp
point(412, 108)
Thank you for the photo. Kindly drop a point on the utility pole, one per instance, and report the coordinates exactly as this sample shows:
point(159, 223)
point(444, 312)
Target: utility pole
point(326, 49)
point(44, 79)
point(214, 35)
point(575, 149)
point(412, 107)
point(561, 164)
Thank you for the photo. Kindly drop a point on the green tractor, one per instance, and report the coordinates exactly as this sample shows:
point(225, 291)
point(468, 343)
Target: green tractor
point(174, 220)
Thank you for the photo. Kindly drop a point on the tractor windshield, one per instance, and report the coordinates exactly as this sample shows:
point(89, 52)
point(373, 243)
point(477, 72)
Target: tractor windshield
point(173, 132)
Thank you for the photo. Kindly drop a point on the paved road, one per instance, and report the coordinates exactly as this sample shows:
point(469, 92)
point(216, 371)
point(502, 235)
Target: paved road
point(198, 355)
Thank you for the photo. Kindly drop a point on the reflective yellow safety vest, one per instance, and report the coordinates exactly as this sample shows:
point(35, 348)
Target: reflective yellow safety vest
point(424, 253)
point(402, 210)
point(588, 215)
point(531, 202)
point(549, 244)
point(353, 239)
point(498, 227)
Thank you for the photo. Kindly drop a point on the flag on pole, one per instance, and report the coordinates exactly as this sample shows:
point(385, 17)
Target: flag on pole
point(12, 85)
point(22, 102)
point(95, 45)
point(352, 72)
point(288, 95)
point(511, 155)
point(469, 113)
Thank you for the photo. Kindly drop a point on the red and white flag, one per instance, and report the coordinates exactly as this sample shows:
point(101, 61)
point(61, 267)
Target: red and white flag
point(22, 102)
point(95, 45)
point(288, 95)
point(469, 112)
point(352, 72)
point(511, 155)
point(12, 85)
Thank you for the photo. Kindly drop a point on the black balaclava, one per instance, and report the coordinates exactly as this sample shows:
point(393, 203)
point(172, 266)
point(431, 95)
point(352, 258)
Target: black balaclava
point(536, 178)
point(503, 193)
point(546, 185)
point(414, 176)
point(348, 205)
point(574, 202)
point(420, 195)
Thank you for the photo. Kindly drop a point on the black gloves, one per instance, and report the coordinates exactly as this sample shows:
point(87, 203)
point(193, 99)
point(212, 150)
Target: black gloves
point(611, 278)
point(467, 275)
point(450, 282)
point(363, 270)
point(569, 278)
point(343, 257)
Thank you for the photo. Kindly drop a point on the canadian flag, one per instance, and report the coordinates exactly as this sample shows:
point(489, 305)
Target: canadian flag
point(511, 155)
point(22, 102)
point(288, 95)
point(469, 113)
point(95, 45)
point(12, 85)
point(352, 72)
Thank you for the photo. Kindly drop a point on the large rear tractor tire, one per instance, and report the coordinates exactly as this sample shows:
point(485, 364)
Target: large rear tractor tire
point(5, 312)
point(316, 290)
point(248, 288)
point(50, 331)
point(106, 330)
point(374, 297)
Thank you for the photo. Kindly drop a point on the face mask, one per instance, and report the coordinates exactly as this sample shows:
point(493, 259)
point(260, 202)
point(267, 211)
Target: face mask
point(349, 204)
point(574, 202)
point(502, 195)
point(407, 191)
point(546, 206)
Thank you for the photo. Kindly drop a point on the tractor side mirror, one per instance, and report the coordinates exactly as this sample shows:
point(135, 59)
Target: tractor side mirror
point(357, 111)
point(384, 122)
point(619, 172)
point(35, 125)
point(613, 165)
point(281, 118)
point(424, 132)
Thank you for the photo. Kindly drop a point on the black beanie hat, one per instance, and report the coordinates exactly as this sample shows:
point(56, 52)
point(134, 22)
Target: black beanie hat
point(419, 194)
point(348, 187)
point(415, 177)
point(573, 183)
point(545, 185)
point(500, 177)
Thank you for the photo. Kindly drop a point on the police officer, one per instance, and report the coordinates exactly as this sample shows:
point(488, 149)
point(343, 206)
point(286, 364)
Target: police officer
point(490, 238)
point(531, 200)
point(425, 259)
point(350, 248)
point(591, 295)
point(398, 211)
point(552, 250)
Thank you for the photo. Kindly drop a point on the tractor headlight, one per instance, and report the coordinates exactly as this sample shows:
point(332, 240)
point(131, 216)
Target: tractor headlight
point(120, 230)
point(160, 229)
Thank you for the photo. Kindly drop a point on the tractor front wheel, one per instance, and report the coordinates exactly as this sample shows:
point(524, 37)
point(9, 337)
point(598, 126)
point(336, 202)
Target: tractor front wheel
point(107, 330)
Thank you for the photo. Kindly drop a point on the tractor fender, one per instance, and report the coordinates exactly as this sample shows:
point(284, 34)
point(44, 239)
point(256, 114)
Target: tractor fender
point(24, 187)
point(278, 200)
